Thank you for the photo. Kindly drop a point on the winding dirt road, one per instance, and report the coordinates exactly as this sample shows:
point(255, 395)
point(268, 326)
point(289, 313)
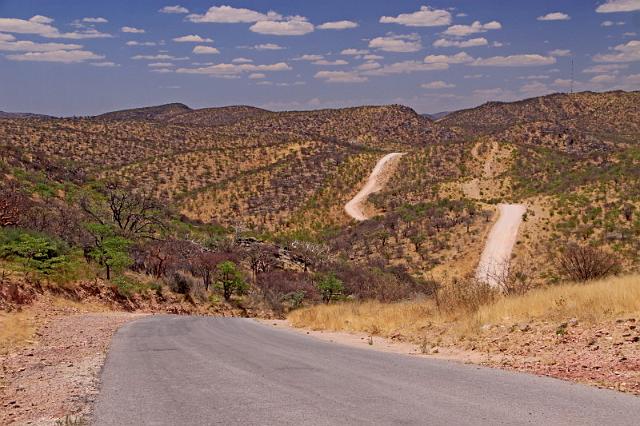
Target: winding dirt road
point(376, 181)
point(497, 251)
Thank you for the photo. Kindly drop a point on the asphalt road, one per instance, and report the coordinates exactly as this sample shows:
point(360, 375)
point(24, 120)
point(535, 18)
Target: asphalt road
point(168, 370)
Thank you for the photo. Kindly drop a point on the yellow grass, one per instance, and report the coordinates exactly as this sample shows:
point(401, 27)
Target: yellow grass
point(591, 302)
point(15, 330)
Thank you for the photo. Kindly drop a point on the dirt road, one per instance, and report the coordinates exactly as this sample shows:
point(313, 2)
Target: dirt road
point(376, 181)
point(497, 251)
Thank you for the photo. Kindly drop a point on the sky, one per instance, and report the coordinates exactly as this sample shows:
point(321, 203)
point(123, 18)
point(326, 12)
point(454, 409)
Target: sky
point(85, 57)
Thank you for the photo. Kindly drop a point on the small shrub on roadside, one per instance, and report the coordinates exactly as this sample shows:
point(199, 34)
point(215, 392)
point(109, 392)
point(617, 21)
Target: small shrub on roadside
point(585, 263)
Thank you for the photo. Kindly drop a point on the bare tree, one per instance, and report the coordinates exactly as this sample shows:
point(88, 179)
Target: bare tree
point(584, 263)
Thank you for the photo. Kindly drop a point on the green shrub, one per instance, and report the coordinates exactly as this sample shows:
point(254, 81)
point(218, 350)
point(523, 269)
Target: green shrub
point(35, 251)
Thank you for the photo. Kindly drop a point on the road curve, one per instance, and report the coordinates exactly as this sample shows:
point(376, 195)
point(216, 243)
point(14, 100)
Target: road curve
point(168, 370)
point(502, 237)
point(355, 207)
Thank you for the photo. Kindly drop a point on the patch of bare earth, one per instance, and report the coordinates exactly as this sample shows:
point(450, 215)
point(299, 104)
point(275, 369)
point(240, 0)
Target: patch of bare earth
point(55, 374)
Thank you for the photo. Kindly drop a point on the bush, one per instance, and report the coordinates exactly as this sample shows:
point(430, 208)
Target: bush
point(329, 286)
point(230, 280)
point(36, 251)
point(585, 263)
point(279, 287)
point(180, 283)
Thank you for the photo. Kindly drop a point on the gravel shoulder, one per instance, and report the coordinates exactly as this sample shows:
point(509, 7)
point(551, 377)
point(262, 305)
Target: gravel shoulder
point(56, 373)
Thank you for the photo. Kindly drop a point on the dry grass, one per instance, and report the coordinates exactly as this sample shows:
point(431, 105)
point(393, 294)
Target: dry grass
point(593, 302)
point(15, 330)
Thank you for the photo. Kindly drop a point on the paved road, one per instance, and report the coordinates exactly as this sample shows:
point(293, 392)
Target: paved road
point(376, 181)
point(208, 371)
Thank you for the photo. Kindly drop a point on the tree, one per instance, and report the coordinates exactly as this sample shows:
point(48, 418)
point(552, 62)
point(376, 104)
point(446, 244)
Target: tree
point(584, 263)
point(328, 286)
point(230, 279)
point(109, 250)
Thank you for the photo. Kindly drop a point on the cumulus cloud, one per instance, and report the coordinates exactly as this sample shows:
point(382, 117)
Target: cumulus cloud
point(354, 52)
point(475, 27)
point(310, 58)
point(132, 30)
point(605, 68)
point(560, 52)
point(554, 16)
point(230, 70)
point(97, 20)
point(290, 26)
point(159, 57)
point(257, 76)
point(425, 17)
point(515, 61)
point(233, 15)
point(603, 79)
point(406, 67)
point(160, 65)
point(205, 50)
point(140, 43)
point(242, 61)
point(268, 46)
point(436, 85)
point(459, 58)
point(397, 43)
point(8, 43)
point(174, 9)
point(612, 6)
point(338, 25)
point(192, 39)
point(105, 64)
point(474, 42)
point(340, 77)
point(629, 52)
point(63, 56)
point(325, 62)
point(41, 25)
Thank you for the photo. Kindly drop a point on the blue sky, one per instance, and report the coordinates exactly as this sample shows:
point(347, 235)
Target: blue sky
point(82, 57)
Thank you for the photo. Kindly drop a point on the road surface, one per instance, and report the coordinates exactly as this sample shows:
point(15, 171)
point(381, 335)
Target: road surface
point(167, 370)
point(494, 262)
point(355, 207)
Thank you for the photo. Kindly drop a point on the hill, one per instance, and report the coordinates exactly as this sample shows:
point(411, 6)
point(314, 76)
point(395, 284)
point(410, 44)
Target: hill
point(153, 113)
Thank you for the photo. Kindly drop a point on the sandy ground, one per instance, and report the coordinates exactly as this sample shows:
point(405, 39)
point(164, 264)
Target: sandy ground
point(56, 374)
point(355, 208)
point(503, 236)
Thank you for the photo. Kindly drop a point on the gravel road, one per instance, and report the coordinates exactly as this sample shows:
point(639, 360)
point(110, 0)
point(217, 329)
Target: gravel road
point(167, 370)
point(355, 207)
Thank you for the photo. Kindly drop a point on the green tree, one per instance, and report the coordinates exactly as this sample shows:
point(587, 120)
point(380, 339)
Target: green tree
point(329, 285)
point(230, 279)
point(109, 250)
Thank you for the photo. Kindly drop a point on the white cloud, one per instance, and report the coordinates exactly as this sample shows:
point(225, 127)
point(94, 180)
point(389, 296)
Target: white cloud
point(480, 41)
point(221, 70)
point(406, 67)
point(338, 25)
point(232, 15)
point(63, 56)
point(40, 25)
point(310, 58)
point(354, 52)
point(290, 26)
point(603, 79)
point(459, 58)
point(340, 77)
point(368, 66)
point(140, 43)
point(436, 85)
point(174, 9)
point(205, 50)
point(612, 6)
point(8, 43)
point(192, 39)
point(104, 64)
point(257, 76)
point(324, 62)
point(397, 43)
point(611, 23)
point(515, 61)
point(160, 65)
point(132, 30)
point(629, 52)
point(268, 46)
point(562, 82)
point(159, 57)
point(425, 17)
point(554, 16)
point(242, 61)
point(605, 68)
point(371, 57)
point(97, 20)
point(535, 88)
point(475, 27)
point(560, 52)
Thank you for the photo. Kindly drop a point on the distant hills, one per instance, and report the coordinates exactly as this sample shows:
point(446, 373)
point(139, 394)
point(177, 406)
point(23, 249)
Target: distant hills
point(16, 115)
